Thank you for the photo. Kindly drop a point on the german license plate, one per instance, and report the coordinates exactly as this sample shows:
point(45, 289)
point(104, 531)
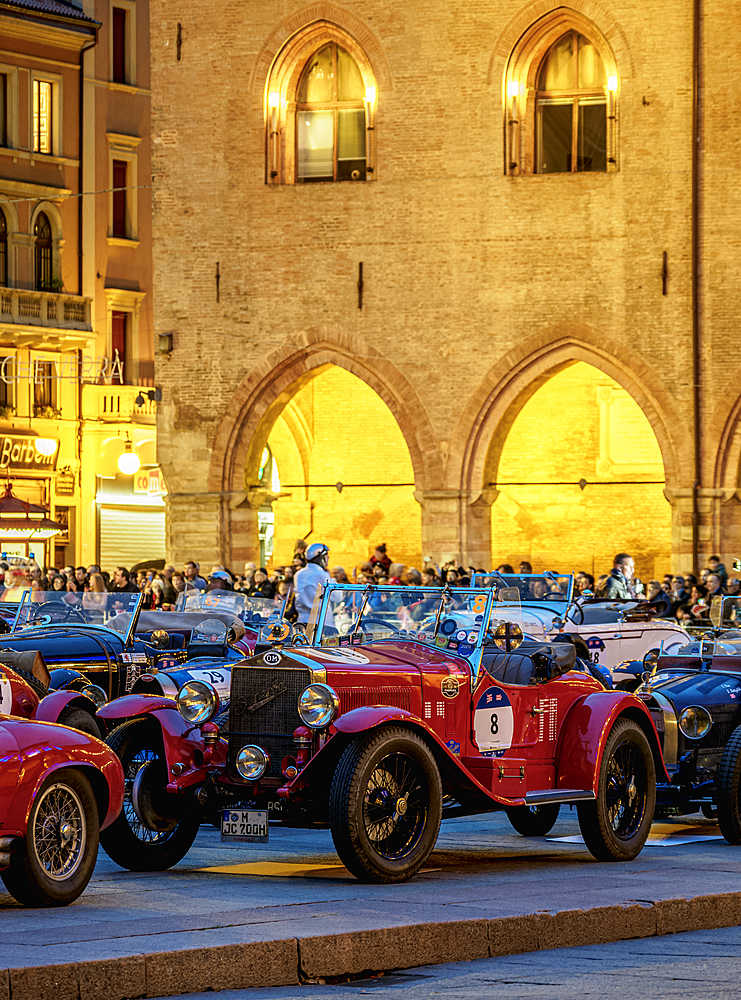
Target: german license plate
point(250, 825)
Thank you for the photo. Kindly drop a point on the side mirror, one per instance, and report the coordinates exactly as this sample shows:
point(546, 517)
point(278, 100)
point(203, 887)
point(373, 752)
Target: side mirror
point(587, 593)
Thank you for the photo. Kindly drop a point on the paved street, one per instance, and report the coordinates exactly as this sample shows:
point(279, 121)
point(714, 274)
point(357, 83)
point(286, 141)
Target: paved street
point(480, 869)
point(702, 964)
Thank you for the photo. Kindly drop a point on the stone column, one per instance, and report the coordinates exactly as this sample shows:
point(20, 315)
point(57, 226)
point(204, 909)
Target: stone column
point(718, 527)
point(456, 527)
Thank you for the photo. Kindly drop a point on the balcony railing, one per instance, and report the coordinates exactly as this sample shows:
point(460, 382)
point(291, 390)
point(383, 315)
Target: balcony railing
point(117, 404)
point(48, 309)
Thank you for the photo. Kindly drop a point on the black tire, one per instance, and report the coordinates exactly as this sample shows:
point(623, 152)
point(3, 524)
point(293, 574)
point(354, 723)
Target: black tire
point(374, 774)
point(128, 841)
point(709, 810)
point(77, 718)
point(41, 689)
point(57, 859)
point(616, 825)
point(533, 821)
point(629, 685)
point(729, 789)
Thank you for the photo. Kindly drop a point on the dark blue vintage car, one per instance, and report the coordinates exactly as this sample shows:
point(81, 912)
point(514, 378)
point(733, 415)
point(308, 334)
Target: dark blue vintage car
point(103, 644)
point(694, 695)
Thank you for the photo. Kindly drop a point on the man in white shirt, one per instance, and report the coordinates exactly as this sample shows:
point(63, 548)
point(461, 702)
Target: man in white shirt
point(309, 579)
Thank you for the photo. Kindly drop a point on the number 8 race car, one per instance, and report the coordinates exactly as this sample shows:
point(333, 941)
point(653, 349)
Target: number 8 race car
point(397, 701)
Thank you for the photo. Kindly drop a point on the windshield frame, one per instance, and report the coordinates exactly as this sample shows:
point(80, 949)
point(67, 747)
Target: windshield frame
point(368, 590)
point(125, 636)
point(509, 580)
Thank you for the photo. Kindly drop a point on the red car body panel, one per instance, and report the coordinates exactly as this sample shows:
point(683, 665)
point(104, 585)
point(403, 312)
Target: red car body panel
point(183, 742)
point(585, 731)
point(30, 751)
point(51, 706)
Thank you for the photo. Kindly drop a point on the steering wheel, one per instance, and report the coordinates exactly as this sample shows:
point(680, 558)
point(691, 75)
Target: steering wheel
point(57, 611)
point(580, 609)
point(378, 621)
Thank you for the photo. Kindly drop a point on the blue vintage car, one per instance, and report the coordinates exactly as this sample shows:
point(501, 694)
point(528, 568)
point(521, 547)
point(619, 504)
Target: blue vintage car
point(102, 644)
point(694, 696)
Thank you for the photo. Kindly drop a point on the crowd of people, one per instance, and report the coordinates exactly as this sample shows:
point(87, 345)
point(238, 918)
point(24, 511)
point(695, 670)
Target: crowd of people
point(683, 597)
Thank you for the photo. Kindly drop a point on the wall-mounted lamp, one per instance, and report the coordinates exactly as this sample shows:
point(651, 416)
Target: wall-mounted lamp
point(45, 446)
point(513, 92)
point(128, 461)
point(153, 395)
point(612, 85)
point(370, 100)
point(165, 343)
point(273, 105)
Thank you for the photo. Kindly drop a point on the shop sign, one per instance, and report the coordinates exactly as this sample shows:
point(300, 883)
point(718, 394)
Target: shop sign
point(149, 481)
point(70, 368)
point(20, 454)
point(65, 484)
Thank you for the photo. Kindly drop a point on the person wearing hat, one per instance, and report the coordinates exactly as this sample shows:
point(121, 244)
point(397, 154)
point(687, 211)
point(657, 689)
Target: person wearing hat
point(309, 579)
point(219, 580)
point(261, 586)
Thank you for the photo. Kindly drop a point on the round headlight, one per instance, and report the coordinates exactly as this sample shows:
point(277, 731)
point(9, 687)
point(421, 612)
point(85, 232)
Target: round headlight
point(252, 762)
point(318, 706)
point(96, 694)
point(695, 722)
point(197, 702)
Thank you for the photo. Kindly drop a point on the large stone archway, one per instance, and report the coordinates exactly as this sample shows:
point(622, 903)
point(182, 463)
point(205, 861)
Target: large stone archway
point(479, 437)
point(263, 394)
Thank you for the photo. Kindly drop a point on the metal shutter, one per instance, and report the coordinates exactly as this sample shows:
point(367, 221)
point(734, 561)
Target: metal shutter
point(129, 536)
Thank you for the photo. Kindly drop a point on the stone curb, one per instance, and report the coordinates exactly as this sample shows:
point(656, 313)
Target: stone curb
point(290, 961)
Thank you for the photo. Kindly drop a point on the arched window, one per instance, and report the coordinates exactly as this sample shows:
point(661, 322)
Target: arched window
point(3, 249)
point(330, 118)
point(42, 253)
point(571, 107)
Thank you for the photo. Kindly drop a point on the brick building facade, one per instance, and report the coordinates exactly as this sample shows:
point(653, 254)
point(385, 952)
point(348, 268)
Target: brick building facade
point(456, 275)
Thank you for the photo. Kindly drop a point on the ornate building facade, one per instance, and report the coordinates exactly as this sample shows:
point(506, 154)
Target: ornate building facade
point(76, 342)
point(460, 279)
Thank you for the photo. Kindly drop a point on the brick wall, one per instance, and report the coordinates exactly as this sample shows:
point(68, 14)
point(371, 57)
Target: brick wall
point(477, 286)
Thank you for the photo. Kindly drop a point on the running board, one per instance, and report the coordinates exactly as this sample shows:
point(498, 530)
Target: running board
point(551, 796)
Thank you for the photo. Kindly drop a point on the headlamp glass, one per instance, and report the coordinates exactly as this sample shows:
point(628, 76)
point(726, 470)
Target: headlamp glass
point(695, 722)
point(197, 702)
point(252, 762)
point(318, 706)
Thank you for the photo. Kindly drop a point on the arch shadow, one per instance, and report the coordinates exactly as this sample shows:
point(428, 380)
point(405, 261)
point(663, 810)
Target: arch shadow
point(263, 394)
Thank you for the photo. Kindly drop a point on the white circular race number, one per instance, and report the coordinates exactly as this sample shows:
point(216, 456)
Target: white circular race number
point(493, 721)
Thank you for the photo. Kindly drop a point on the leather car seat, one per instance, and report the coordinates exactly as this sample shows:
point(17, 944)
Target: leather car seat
point(521, 665)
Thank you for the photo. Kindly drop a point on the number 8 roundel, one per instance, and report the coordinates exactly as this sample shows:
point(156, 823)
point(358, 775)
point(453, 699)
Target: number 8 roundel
point(493, 721)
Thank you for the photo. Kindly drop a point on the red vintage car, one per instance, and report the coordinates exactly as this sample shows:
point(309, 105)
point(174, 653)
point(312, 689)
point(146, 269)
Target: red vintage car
point(399, 707)
point(58, 788)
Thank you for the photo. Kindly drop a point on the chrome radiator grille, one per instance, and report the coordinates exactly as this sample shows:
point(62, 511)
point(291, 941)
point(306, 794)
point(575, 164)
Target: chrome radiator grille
point(263, 710)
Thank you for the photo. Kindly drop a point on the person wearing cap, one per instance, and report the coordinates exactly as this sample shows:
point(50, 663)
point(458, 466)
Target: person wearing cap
point(309, 579)
point(219, 580)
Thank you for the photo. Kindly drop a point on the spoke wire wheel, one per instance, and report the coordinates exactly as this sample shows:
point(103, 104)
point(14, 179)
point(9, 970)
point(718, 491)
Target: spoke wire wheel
point(57, 859)
point(59, 832)
point(385, 805)
point(615, 827)
point(128, 841)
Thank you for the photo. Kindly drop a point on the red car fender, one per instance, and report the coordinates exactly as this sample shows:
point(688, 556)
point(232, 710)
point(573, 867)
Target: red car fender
point(584, 732)
point(45, 748)
point(136, 704)
point(51, 706)
point(182, 741)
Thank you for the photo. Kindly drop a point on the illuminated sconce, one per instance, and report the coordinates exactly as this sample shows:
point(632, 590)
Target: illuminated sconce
point(513, 92)
point(273, 105)
point(45, 446)
point(612, 85)
point(370, 100)
point(128, 461)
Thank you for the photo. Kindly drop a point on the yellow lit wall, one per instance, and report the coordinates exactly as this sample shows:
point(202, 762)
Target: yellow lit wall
point(581, 425)
point(336, 429)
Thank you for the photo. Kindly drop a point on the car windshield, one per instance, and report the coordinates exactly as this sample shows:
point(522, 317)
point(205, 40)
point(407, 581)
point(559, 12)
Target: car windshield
point(553, 588)
point(453, 619)
point(249, 609)
point(40, 608)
